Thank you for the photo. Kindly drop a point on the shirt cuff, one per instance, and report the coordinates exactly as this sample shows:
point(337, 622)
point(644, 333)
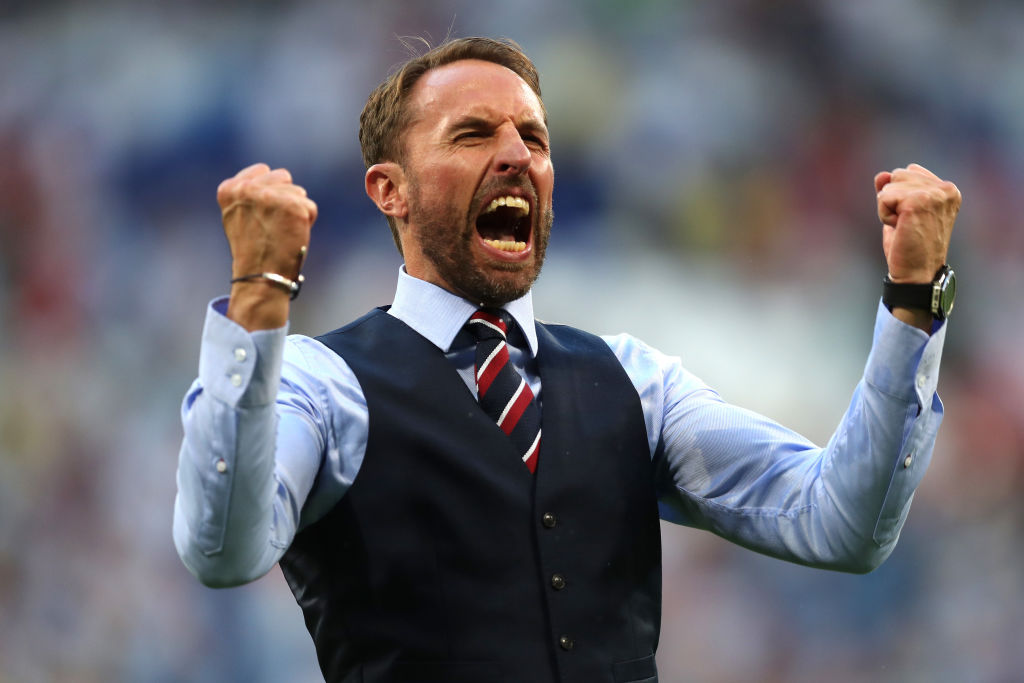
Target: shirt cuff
point(904, 361)
point(239, 367)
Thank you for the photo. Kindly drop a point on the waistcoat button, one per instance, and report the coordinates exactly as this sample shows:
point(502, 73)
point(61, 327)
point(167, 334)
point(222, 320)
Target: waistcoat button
point(557, 582)
point(565, 642)
point(548, 520)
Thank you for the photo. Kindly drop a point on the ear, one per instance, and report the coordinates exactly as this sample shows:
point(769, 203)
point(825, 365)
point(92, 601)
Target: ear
point(385, 185)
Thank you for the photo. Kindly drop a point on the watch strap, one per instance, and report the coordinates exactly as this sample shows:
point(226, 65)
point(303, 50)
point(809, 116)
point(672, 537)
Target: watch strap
point(907, 295)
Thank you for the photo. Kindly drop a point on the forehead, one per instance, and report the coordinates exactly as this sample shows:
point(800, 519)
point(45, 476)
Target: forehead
point(473, 87)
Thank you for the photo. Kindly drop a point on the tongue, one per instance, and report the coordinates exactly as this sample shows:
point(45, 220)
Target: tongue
point(497, 234)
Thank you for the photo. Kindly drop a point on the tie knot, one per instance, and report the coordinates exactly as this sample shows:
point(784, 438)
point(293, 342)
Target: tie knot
point(488, 323)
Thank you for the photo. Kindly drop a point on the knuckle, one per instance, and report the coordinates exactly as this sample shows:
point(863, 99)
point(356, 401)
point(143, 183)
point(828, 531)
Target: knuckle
point(264, 195)
point(945, 192)
point(245, 188)
point(226, 189)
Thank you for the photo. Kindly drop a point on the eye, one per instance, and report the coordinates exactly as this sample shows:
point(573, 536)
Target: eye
point(536, 141)
point(469, 134)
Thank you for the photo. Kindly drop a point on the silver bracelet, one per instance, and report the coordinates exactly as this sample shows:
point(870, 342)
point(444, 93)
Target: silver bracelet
point(290, 286)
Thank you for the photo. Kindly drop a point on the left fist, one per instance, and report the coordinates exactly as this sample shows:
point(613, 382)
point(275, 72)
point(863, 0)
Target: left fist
point(917, 209)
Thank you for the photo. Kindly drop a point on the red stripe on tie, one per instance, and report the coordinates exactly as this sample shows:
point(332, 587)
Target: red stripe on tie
point(505, 396)
point(530, 459)
point(515, 410)
point(491, 318)
point(497, 364)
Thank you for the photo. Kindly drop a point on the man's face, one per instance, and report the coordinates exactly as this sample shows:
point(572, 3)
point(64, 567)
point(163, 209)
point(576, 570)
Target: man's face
point(478, 166)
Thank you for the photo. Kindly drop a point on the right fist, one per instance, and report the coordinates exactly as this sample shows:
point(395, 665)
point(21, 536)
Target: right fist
point(267, 219)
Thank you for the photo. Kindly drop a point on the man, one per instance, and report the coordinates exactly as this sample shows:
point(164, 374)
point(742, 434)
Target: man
point(431, 536)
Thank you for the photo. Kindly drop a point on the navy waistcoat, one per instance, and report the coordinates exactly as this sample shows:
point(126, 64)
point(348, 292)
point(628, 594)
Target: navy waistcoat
point(447, 561)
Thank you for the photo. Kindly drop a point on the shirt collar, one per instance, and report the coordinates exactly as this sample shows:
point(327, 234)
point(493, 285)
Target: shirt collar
point(439, 315)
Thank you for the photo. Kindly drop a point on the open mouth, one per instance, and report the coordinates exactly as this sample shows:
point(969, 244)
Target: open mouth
point(504, 224)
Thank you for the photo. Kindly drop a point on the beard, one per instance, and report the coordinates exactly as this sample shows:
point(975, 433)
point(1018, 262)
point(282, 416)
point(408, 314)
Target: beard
point(447, 236)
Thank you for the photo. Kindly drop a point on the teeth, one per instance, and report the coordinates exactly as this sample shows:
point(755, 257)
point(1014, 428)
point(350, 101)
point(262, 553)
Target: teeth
point(510, 201)
point(507, 245)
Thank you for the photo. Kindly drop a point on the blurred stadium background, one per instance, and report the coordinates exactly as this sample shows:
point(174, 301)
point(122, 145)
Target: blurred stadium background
point(714, 166)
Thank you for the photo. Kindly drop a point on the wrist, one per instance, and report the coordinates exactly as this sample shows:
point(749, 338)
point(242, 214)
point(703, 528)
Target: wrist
point(918, 278)
point(915, 317)
point(920, 300)
point(258, 304)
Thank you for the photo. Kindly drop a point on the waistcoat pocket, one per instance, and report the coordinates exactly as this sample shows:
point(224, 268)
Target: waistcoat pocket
point(444, 672)
point(643, 670)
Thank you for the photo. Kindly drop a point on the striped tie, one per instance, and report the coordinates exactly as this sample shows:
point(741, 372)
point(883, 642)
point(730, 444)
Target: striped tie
point(503, 393)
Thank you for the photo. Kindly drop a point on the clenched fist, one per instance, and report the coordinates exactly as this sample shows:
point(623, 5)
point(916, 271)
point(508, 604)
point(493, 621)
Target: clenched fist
point(917, 210)
point(267, 219)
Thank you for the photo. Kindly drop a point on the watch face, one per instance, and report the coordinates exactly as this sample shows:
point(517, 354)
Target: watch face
point(948, 295)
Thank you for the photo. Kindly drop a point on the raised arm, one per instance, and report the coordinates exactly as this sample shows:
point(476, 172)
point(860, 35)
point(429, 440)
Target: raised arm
point(763, 486)
point(236, 507)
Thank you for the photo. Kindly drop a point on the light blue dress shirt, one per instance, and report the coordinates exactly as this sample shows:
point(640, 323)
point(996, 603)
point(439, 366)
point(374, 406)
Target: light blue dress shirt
point(276, 429)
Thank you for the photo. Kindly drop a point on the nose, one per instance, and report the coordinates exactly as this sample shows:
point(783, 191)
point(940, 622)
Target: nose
point(513, 156)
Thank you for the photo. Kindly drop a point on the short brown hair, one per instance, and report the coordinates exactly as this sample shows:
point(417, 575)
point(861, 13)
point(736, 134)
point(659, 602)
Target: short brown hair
point(386, 115)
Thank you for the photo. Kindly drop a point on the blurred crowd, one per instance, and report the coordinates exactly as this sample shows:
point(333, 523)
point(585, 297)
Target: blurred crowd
point(713, 194)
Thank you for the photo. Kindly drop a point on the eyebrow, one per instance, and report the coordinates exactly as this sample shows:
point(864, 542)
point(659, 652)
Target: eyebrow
point(472, 122)
point(469, 121)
